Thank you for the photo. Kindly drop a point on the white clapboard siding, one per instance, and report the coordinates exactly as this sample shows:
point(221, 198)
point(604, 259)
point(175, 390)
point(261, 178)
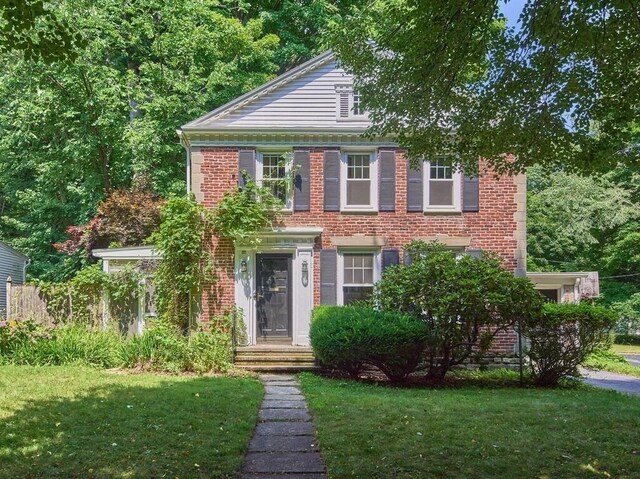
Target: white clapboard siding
point(307, 101)
point(12, 264)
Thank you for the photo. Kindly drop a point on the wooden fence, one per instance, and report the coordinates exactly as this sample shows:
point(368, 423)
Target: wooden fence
point(26, 301)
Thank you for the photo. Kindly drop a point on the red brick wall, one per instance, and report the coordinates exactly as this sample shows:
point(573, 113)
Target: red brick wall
point(492, 228)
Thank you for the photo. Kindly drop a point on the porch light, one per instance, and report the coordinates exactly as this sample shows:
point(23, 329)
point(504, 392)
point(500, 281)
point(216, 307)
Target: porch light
point(305, 266)
point(243, 266)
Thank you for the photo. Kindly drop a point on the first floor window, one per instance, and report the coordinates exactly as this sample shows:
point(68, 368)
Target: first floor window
point(357, 277)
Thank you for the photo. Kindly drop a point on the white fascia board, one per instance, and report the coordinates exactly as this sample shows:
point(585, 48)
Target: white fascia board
point(555, 278)
point(293, 231)
point(133, 252)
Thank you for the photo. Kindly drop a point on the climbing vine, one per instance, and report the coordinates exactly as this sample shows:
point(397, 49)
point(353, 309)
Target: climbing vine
point(243, 213)
point(186, 262)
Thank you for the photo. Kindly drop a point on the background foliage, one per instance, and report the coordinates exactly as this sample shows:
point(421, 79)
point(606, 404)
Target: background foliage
point(449, 75)
point(71, 132)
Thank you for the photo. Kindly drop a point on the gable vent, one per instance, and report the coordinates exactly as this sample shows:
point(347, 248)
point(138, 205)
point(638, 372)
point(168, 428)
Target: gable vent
point(344, 105)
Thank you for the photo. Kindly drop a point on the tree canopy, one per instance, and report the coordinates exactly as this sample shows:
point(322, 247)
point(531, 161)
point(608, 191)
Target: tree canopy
point(449, 76)
point(73, 131)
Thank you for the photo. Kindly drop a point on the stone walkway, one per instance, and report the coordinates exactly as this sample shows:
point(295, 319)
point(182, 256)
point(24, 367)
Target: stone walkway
point(284, 444)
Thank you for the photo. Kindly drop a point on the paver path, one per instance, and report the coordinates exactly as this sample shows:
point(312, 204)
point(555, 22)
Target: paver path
point(284, 444)
point(620, 382)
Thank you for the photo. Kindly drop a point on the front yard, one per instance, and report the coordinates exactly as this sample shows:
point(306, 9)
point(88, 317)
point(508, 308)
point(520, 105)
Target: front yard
point(70, 422)
point(382, 432)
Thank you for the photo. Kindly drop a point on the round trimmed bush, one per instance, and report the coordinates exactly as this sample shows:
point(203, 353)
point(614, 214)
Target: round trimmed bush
point(347, 337)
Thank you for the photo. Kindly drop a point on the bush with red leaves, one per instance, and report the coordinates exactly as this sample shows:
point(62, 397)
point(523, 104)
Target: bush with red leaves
point(124, 218)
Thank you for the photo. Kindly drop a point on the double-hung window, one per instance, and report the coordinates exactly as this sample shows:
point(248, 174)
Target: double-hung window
point(359, 185)
point(358, 275)
point(442, 186)
point(272, 171)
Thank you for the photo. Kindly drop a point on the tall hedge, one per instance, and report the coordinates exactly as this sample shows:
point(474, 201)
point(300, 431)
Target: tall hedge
point(563, 337)
point(464, 300)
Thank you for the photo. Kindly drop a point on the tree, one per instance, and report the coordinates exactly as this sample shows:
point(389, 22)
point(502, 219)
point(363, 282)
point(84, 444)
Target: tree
point(124, 218)
point(74, 132)
point(465, 302)
point(32, 28)
point(573, 218)
point(449, 76)
point(302, 26)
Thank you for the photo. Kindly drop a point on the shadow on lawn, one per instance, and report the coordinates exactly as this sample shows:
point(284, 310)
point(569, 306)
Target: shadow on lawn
point(455, 379)
point(193, 428)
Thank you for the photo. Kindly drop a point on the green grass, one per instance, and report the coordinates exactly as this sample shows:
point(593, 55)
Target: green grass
point(74, 422)
point(626, 348)
point(369, 431)
point(613, 362)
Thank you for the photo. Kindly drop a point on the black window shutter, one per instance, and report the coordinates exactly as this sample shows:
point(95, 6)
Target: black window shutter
point(471, 193)
point(414, 187)
point(328, 276)
point(390, 257)
point(387, 194)
point(332, 180)
point(246, 162)
point(301, 187)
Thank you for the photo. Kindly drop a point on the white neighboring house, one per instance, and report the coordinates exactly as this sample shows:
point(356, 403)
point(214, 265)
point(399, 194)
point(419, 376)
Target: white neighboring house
point(566, 287)
point(142, 307)
point(13, 264)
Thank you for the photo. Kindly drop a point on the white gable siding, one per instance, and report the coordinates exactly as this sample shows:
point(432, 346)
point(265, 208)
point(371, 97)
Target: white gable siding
point(11, 264)
point(307, 101)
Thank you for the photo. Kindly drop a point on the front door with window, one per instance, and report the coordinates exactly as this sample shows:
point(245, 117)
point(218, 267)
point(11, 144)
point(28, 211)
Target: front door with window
point(273, 301)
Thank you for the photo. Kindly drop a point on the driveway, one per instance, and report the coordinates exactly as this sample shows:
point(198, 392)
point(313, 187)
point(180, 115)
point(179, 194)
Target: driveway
point(619, 382)
point(633, 359)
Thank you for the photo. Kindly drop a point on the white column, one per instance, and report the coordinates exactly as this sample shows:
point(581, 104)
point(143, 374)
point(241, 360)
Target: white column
point(302, 291)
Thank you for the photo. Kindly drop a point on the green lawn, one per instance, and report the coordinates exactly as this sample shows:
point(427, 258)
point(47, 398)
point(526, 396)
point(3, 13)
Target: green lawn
point(369, 431)
point(612, 361)
point(626, 348)
point(70, 422)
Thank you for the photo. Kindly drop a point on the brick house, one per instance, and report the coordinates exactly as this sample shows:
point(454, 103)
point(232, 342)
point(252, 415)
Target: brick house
point(356, 202)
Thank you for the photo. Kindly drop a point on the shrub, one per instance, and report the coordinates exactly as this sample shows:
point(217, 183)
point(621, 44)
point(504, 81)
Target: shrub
point(563, 337)
point(629, 339)
point(347, 337)
point(162, 347)
point(35, 345)
point(465, 302)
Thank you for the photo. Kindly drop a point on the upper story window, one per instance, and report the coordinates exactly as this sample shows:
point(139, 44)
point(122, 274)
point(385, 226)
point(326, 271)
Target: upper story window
point(359, 185)
point(272, 171)
point(442, 186)
point(349, 103)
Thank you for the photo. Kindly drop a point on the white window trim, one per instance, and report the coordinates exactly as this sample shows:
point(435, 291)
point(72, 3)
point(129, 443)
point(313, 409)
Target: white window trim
point(348, 89)
point(373, 177)
point(377, 269)
point(457, 192)
point(288, 207)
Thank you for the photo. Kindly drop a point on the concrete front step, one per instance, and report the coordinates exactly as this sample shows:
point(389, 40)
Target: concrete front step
point(266, 349)
point(277, 368)
point(279, 357)
point(275, 358)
